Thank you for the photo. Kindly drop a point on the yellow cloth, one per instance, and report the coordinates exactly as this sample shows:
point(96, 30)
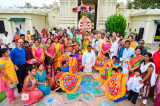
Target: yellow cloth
point(58, 54)
point(9, 68)
point(85, 47)
point(28, 37)
point(133, 45)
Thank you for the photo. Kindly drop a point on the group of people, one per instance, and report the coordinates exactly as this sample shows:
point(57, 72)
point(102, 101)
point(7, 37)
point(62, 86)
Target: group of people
point(40, 78)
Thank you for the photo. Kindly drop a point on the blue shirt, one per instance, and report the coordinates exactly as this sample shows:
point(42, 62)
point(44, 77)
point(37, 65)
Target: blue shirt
point(18, 56)
point(121, 52)
point(143, 51)
point(65, 69)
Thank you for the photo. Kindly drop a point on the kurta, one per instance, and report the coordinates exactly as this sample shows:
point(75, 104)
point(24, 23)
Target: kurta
point(114, 49)
point(99, 46)
point(88, 60)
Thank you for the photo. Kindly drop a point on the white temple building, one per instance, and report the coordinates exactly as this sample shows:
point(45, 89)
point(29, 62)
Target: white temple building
point(145, 22)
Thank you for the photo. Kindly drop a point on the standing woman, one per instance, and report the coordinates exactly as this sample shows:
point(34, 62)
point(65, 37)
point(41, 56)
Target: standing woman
point(148, 77)
point(28, 36)
point(38, 53)
point(106, 46)
point(29, 87)
point(80, 67)
point(135, 61)
point(44, 39)
point(16, 37)
point(31, 41)
point(49, 51)
point(8, 77)
point(41, 80)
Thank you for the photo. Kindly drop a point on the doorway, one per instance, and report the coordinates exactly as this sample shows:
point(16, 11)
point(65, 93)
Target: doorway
point(157, 35)
point(20, 25)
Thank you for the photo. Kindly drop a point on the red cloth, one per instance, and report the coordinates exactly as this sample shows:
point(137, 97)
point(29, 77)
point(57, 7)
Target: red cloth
point(58, 37)
point(156, 59)
point(43, 30)
point(58, 76)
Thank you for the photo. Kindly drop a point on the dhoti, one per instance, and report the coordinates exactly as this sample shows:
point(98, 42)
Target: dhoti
point(88, 68)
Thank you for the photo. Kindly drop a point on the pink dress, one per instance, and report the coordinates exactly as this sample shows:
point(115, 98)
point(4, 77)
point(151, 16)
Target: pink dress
point(105, 47)
point(80, 68)
point(44, 40)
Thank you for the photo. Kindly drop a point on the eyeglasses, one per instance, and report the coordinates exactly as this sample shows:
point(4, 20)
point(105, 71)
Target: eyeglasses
point(20, 42)
point(140, 43)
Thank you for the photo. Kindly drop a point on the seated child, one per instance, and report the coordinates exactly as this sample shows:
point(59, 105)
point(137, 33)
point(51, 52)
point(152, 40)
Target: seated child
point(134, 86)
point(114, 70)
point(115, 64)
point(119, 69)
point(50, 75)
point(59, 73)
point(106, 58)
point(65, 66)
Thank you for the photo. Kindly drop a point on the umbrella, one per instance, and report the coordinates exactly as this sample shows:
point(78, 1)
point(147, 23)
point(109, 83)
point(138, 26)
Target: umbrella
point(69, 82)
point(64, 57)
point(82, 8)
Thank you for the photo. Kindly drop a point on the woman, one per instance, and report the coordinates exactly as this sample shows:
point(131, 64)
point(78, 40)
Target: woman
point(135, 61)
point(85, 44)
point(106, 46)
point(8, 77)
point(41, 80)
point(157, 100)
point(29, 87)
point(38, 53)
point(58, 51)
point(49, 51)
point(44, 39)
point(65, 35)
point(28, 36)
point(16, 37)
point(31, 41)
point(133, 45)
point(80, 67)
point(148, 77)
point(74, 53)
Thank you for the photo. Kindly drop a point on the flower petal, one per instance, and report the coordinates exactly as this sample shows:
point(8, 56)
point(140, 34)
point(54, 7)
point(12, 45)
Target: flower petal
point(88, 88)
point(87, 84)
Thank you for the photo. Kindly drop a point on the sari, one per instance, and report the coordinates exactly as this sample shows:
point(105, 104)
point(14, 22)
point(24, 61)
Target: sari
point(80, 67)
point(156, 59)
point(58, 51)
point(133, 45)
point(31, 43)
point(4, 83)
point(105, 47)
point(50, 50)
point(49, 74)
point(157, 100)
point(33, 95)
point(85, 47)
point(44, 40)
point(134, 62)
point(39, 53)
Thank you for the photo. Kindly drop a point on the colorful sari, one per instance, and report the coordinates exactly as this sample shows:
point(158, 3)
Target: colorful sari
point(39, 53)
point(134, 62)
point(85, 47)
point(73, 65)
point(156, 59)
point(80, 67)
point(105, 47)
point(44, 40)
point(4, 83)
point(33, 95)
point(99, 63)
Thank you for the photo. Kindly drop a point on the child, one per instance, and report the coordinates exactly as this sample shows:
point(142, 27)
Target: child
point(119, 69)
point(65, 67)
point(114, 70)
point(106, 58)
point(59, 73)
point(134, 85)
point(80, 67)
point(115, 64)
point(50, 75)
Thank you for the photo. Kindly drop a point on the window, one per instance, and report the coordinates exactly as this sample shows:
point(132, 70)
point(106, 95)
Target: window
point(2, 29)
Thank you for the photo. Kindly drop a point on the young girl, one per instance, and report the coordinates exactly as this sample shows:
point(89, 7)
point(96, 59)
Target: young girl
point(134, 86)
point(50, 75)
point(79, 60)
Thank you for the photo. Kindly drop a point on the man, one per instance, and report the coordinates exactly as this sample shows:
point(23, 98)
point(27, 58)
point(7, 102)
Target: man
point(22, 36)
point(128, 51)
point(53, 31)
point(114, 35)
point(80, 38)
point(68, 46)
point(114, 48)
point(75, 42)
point(156, 59)
point(108, 36)
point(100, 41)
point(18, 58)
point(88, 59)
point(36, 34)
point(141, 45)
point(121, 49)
point(7, 41)
point(69, 33)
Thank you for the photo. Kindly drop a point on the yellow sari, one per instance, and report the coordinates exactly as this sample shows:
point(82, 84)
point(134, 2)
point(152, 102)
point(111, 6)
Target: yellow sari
point(58, 54)
point(85, 47)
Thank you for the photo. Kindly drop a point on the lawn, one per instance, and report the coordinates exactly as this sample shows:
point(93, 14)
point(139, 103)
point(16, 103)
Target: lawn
point(2, 96)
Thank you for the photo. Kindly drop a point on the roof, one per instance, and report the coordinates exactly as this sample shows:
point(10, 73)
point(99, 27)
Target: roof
point(146, 12)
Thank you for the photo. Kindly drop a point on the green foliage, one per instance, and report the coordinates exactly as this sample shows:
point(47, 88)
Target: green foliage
point(28, 5)
point(144, 4)
point(2, 96)
point(116, 23)
point(118, 4)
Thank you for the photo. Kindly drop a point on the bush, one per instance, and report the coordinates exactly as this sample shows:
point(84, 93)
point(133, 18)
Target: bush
point(116, 23)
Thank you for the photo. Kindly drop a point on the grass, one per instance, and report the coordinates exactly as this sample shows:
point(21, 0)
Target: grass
point(2, 96)
point(146, 47)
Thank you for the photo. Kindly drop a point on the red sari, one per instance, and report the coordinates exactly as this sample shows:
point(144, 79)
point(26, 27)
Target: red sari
point(80, 63)
point(156, 59)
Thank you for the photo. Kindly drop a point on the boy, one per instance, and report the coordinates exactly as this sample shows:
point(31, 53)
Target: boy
point(119, 69)
point(106, 58)
point(134, 86)
point(115, 64)
point(114, 70)
point(65, 67)
point(59, 73)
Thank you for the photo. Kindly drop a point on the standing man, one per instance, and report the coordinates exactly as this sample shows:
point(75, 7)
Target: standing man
point(141, 45)
point(100, 41)
point(114, 48)
point(7, 41)
point(115, 35)
point(36, 34)
point(18, 58)
point(80, 38)
point(88, 59)
point(128, 51)
point(68, 46)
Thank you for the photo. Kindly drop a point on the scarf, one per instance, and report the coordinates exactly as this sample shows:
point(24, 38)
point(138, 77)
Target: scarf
point(145, 67)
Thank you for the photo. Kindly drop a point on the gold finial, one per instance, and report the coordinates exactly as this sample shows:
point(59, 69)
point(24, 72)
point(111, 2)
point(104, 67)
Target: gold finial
point(81, 2)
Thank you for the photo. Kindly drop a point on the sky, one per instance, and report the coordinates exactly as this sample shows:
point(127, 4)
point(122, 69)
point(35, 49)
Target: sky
point(17, 3)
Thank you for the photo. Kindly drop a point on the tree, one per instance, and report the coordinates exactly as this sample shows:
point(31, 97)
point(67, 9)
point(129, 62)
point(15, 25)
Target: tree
point(116, 23)
point(28, 5)
point(129, 4)
point(117, 5)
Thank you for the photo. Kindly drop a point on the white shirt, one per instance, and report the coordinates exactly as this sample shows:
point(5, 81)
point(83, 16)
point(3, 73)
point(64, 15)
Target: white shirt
point(117, 39)
point(134, 83)
point(6, 40)
point(88, 58)
point(99, 46)
point(80, 37)
point(126, 55)
point(93, 43)
point(114, 48)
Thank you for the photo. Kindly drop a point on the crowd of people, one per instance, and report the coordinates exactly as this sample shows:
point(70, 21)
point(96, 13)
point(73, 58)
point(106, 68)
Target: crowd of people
point(40, 78)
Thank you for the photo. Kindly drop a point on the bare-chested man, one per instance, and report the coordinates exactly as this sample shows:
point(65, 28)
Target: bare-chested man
point(87, 38)
point(68, 46)
point(75, 41)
